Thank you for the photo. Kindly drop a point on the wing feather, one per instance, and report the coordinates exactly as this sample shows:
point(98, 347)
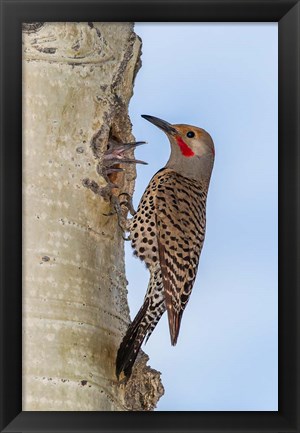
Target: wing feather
point(180, 222)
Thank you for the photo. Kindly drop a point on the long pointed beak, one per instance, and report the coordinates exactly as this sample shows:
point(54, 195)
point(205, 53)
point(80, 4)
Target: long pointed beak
point(162, 124)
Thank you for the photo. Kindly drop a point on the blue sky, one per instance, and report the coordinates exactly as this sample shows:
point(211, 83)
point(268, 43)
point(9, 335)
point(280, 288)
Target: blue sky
point(221, 77)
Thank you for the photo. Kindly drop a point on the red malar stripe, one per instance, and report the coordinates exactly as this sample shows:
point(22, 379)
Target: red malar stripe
point(185, 149)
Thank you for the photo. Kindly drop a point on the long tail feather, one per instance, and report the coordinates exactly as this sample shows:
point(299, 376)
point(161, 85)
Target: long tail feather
point(142, 326)
point(132, 342)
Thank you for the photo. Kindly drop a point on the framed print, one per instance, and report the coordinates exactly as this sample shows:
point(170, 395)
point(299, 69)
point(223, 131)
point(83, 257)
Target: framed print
point(92, 92)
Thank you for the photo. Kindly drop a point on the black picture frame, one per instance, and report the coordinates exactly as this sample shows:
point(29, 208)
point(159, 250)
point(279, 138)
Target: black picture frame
point(13, 13)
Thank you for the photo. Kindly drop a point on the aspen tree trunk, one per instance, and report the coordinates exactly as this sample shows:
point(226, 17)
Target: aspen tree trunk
point(77, 83)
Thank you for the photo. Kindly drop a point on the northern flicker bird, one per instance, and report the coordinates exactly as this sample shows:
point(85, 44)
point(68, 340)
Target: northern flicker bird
point(167, 233)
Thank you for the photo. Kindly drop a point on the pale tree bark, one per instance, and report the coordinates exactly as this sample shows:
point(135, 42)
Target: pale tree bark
point(77, 83)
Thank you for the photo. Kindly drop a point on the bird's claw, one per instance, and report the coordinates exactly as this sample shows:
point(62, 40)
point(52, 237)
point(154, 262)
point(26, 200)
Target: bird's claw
point(104, 192)
point(128, 203)
point(123, 222)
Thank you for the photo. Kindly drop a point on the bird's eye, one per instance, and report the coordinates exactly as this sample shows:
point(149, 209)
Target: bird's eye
point(190, 134)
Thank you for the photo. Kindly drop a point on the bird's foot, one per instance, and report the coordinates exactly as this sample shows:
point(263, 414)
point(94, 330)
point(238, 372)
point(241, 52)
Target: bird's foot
point(128, 203)
point(104, 192)
point(118, 206)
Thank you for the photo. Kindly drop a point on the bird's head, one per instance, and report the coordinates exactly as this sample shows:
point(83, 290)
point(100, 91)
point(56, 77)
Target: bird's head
point(192, 148)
